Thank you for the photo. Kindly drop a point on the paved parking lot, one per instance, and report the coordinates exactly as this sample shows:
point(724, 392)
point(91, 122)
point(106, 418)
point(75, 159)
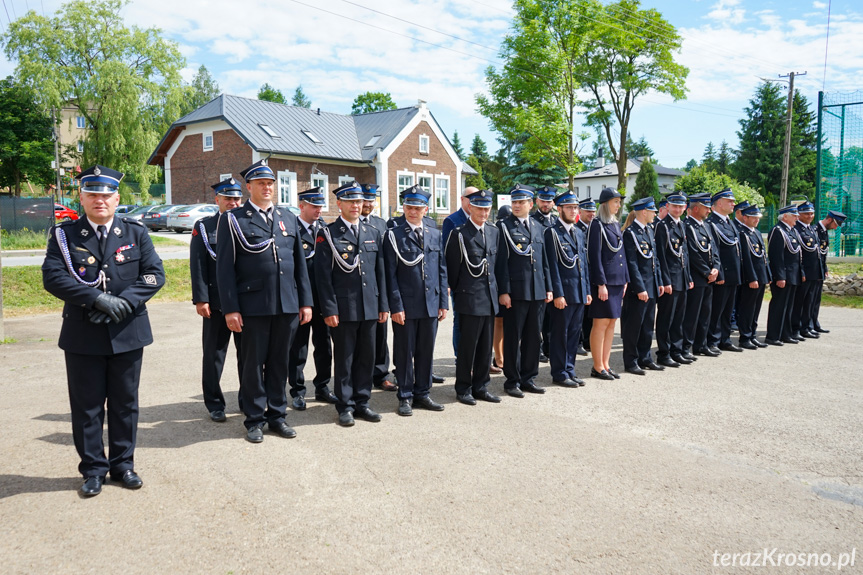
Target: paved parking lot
point(656, 474)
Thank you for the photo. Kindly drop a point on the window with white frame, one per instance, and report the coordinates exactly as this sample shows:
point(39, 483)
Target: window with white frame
point(208, 141)
point(441, 193)
point(287, 182)
point(345, 180)
point(80, 122)
point(223, 177)
point(80, 147)
point(576, 190)
point(424, 144)
point(588, 191)
point(322, 181)
point(405, 180)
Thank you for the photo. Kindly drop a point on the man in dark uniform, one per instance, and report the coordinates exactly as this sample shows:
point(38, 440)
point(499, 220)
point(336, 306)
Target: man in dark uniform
point(265, 293)
point(381, 377)
point(673, 257)
point(544, 204)
point(471, 254)
point(586, 212)
point(205, 295)
point(833, 220)
point(104, 269)
point(739, 222)
point(523, 286)
point(727, 238)
point(704, 268)
point(783, 251)
point(452, 222)
point(566, 250)
point(418, 298)
point(350, 278)
point(756, 276)
point(645, 286)
point(813, 269)
point(311, 203)
point(663, 211)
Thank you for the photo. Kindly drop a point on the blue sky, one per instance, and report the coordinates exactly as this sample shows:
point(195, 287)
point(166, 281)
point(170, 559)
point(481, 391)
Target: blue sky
point(337, 49)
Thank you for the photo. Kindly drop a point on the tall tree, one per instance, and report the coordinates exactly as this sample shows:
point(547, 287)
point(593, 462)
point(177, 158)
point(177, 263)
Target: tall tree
point(300, 99)
point(639, 149)
point(270, 93)
point(202, 89)
point(124, 80)
point(700, 180)
point(456, 145)
point(520, 169)
point(646, 184)
point(369, 102)
point(804, 146)
point(708, 159)
point(476, 181)
point(690, 164)
point(629, 52)
point(724, 158)
point(26, 134)
point(478, 148)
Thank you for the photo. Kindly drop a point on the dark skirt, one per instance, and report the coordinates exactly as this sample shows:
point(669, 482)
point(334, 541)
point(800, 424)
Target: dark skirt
point(609, 308)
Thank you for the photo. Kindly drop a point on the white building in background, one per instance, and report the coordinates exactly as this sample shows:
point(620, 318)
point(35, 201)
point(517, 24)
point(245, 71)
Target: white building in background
point(589, 183)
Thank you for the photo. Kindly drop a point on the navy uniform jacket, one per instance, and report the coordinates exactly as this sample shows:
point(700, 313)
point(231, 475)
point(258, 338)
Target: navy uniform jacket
point(419, 290)
point(308, 244)
point(473, 295)
point(571, 283)
point(754, 261)
point(359, 295)
point(641, 260)
point(727, 239)
point(606, 267)
point(702, 250)
point(582, 226)
point(813, 267)
point(377, 223)
point(784, 262)
point(133, 271)
point(524, 278)
point(202, 265)
point(823, 243)
point(452, 222)
point(673, 254)
point(545, 222)
point(400, 221)
point(271, 282)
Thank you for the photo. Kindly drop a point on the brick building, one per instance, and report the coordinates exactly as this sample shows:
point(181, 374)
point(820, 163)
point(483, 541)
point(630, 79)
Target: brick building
point(305, 148)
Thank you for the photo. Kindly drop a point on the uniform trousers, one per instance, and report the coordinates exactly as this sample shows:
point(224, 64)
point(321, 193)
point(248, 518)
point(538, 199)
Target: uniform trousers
point(94, 380)
point(636, 329)
point(801, 309)
point(522, 323)
point(586, 325)
point(670, 312)
point(322, 355)
point(720, 314)
point(265, 342)
point(696, 320)
point(382, 354)
point(456, 331)
point(474, 353)
point(413, 354)
point(566, 325)
point(216, 337)
point(779, 311)
point(817, 288)
point(354, 363)
point(748, 309)
point(545, 331)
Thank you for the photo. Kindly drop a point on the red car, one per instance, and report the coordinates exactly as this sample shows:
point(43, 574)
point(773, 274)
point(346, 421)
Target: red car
point(62, 213)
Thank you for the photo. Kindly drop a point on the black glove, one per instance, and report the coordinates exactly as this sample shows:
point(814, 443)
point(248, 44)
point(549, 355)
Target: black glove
point(116, 307)
point(98, 317)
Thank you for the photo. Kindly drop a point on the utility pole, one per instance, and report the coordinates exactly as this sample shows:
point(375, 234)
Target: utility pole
point(56, 154)
point(783, 191)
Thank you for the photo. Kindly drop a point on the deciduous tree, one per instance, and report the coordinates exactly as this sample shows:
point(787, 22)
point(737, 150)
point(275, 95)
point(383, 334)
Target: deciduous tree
point(270, 94)
point(300, 99)
point(372, 102)
point(26, 134)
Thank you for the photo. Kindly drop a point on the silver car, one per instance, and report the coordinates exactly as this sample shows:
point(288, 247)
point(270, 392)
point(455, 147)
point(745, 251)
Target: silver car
point(183, 219)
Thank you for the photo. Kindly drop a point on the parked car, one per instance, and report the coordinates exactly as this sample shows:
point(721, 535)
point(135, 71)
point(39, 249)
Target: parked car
point(182, 220)
point(140, 211)
point(62, 213)
point(158, 218)
point(123, 209)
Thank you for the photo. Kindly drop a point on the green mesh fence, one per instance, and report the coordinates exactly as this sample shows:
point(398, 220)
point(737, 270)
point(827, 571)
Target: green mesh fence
point(840, 167)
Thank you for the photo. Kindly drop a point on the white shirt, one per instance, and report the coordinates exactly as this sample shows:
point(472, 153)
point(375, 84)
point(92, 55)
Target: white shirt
point(258, 209)
point(639, 223)
point(96, 227)
point(566, 226)
point(349, 224)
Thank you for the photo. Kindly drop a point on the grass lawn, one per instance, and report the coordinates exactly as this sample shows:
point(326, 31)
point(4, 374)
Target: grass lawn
point(30, 240)
point(844, 269)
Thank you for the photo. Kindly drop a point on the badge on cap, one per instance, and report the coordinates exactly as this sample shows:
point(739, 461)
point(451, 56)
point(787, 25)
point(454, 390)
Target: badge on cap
point(97, 171)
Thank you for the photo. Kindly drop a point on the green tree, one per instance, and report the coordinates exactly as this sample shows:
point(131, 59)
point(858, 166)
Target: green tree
point(456, 145)
point(270, 94)
point(26, 134)
point(476, 181)
point(724, 158)
point(202, 89)
point(646, 184)
point(124, 80)
point(300, 99)
point(804, 146)
point(690, 164)
point(700, 180)
point(478, 148)
point(629, 52)
point(639, 149)
point(708, 159)
point(372, 102)
point(519, 168)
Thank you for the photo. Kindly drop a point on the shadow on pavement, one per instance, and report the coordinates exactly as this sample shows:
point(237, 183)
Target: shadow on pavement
point(11, 485)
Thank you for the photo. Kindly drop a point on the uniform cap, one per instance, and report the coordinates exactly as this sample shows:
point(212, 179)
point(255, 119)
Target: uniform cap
point(100, 180)
point(258, 171)
point(229, 188)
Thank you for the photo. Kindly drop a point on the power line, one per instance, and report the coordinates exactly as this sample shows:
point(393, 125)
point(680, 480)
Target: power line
point(7, 12)
point(826, 41)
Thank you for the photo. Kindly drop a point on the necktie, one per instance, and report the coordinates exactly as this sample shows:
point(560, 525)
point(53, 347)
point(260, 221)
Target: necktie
point(572, 235)
point(103, 238)
point(419, 235)
point(355, 231)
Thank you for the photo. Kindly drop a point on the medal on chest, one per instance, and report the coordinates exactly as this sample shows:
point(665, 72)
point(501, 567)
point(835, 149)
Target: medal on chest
point(282, 227)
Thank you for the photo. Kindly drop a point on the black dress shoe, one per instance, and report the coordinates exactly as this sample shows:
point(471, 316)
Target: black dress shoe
point(601, 374)
point(757, 342)
point(466, 399)
point(809, 334)
point(437, 379)
point(706, 352)
point(299, 403)
point(579, 381)
point(514, 392)
point(689, 356)
point(565, 383)
point(714, 349)
point(405, 408)
point(346, 419)
point(543, 358)
point(427, 403)
point(581, 350)
point(283, 429)
point(748, 345)
point(773, 342)
point(255, 434)
point(790, 340)
point(532, 388)
point(635, 370)
point(681, 360)
point(129, 479)
point(729, 347)
point(652, 366)
point(613, 373)
point(820, 329)
point(92, 485)
point(486, 395)
point(218, 415)
point(325, 396)
point(668, 362)
point(365, 413)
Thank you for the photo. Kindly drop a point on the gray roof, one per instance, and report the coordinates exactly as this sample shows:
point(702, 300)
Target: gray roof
point(632, 167)
point(385, 125)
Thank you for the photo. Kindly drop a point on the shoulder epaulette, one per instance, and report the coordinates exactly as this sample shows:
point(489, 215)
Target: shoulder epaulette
point(133, 221)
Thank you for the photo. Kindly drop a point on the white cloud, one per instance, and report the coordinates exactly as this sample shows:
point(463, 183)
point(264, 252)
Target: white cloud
point(819, 5)
point(727, 11)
